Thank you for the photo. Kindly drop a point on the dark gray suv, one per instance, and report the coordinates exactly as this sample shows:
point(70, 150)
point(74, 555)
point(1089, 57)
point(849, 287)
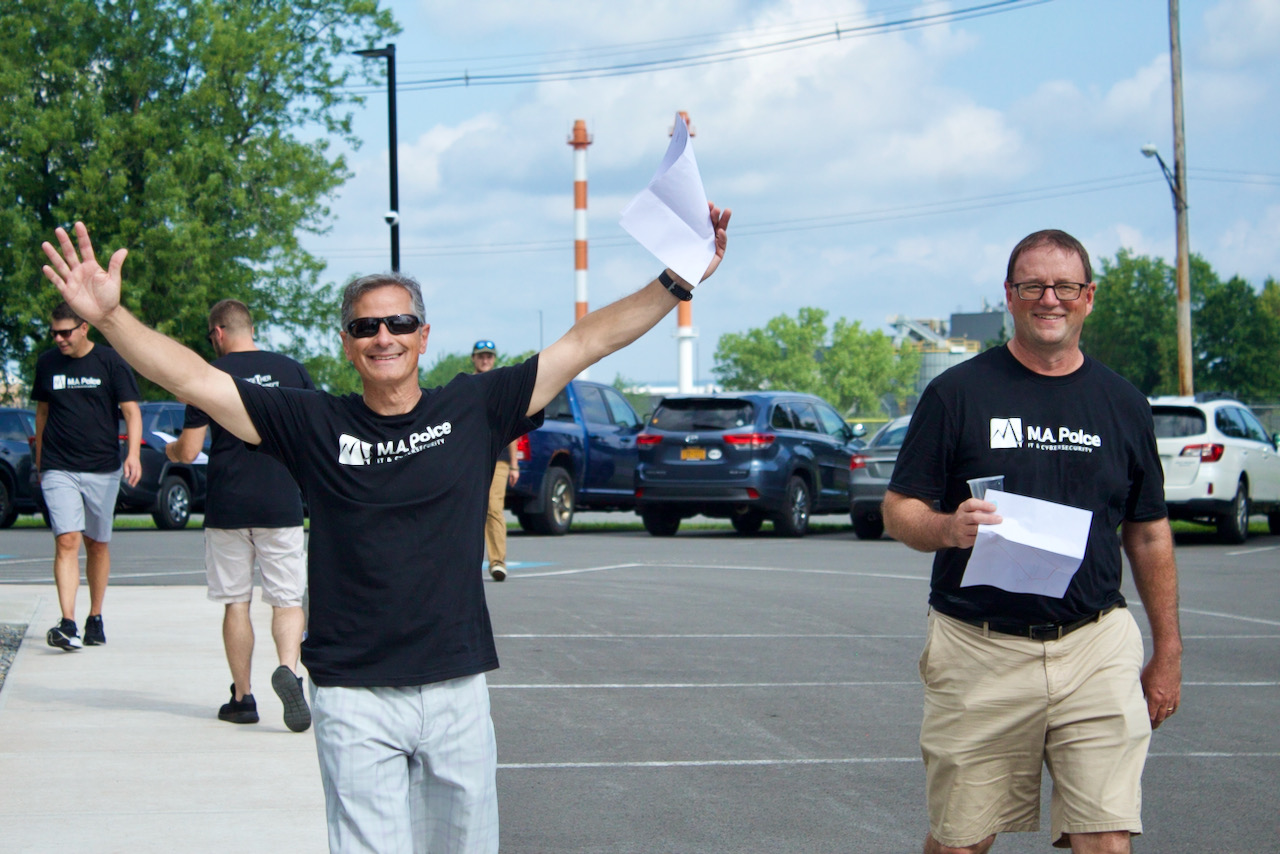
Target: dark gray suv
point(750, 457)
point(17, 491)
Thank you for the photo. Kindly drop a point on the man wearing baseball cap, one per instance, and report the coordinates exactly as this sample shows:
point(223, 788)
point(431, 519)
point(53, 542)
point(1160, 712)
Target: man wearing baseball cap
point(506, 471)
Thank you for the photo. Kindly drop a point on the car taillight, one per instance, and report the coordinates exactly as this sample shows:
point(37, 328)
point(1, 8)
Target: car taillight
point(1206, 453)
point(522, 448)
point(646, 439)
point(857, 461)
point(749, 440)
point(124, 437)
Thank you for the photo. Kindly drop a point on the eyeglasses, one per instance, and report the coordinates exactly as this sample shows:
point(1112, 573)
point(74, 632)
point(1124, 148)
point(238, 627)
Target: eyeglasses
point(64, 333)
point(483, 345)
point(397, 324)
point(1065, 291)
point(209, 335)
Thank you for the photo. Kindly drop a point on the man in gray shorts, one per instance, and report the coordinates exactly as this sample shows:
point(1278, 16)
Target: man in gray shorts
point(79, 389)
point(253, 514)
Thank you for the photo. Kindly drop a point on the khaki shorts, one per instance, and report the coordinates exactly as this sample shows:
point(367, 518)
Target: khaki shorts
point(231, 553)
point(998, 707)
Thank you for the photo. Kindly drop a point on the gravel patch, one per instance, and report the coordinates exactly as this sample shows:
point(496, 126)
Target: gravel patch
point(10, 639)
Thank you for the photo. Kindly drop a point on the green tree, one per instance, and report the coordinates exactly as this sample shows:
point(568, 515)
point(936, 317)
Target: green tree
point(854, 371)
point(1132, 329)
point(1236, 340)
point(175, 129)
point(448, 365)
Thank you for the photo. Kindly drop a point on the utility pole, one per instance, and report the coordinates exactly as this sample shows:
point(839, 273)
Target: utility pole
point(1185, 384)
point(392, 216)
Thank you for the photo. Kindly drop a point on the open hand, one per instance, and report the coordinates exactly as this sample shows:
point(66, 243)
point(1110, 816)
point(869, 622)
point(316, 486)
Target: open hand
point(91, 291)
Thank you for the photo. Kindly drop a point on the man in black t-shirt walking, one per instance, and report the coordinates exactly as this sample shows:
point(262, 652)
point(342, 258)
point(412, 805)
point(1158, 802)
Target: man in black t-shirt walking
point(396, 480)
point(253, 515)
point(1018, 674)
point(79, 390)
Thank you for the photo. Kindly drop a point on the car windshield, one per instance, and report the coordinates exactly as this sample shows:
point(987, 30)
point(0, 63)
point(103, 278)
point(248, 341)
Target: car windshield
point(1175, 422)
point(679, 415)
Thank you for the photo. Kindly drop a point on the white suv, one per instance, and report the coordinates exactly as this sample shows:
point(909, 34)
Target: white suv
point(1220, 464)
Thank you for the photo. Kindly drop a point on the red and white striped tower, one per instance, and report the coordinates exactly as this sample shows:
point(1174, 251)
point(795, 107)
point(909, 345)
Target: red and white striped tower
point(579, 141)
point(685, 333)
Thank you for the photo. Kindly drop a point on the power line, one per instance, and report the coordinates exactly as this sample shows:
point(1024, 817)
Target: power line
point(712, 57)
point(780, 226)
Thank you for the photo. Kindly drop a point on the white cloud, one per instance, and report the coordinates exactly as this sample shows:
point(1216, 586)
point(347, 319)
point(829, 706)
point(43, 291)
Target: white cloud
point(1241, 32)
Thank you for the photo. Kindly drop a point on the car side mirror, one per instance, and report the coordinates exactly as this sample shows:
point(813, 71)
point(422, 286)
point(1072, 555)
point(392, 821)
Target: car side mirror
point(859, 430)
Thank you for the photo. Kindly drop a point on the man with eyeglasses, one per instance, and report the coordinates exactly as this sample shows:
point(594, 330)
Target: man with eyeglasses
point(252, 516)
point(505, 473)
point(79, 388)
point(396, 481)
point(1015, 681)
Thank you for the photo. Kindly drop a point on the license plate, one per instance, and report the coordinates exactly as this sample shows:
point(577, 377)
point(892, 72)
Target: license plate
point(693, 453)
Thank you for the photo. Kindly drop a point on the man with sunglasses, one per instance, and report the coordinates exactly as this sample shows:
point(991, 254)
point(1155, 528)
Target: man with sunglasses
point(505, 473)
point(79, 389)
point(1014, 680)
point(399, 637)
point(252, 516)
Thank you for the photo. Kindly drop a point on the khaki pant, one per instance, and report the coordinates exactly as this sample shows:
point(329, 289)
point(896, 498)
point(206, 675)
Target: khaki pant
point(495, 525)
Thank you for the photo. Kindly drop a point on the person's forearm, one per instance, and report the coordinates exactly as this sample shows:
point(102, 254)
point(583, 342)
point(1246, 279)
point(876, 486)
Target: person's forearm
point(609, 329)
point(1149, 547)
point(157, 357)
point(915, 524)
point(133, 429)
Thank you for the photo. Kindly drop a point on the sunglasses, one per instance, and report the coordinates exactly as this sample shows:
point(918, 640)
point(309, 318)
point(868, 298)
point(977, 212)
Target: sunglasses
point(483, 345)
point(63, 333)
point(397, 324)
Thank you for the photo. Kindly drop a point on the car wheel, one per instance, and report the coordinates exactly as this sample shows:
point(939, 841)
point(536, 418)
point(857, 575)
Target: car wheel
point(660, 522)
point(8, 510)
point(748, 523)
point(173, 504)
point(793, 521)
point(1273, 521)
point(1233, 527)
point(557, 505)
point(867, 526)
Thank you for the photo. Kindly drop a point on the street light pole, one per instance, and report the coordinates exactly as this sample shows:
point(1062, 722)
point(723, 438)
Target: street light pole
point(393, 214)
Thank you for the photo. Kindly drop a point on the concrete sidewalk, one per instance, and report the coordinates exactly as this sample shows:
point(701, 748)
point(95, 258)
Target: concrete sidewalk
point(118, 748)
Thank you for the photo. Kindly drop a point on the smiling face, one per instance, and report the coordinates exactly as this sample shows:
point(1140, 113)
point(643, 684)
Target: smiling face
point(1048, 328)
point(70, 337)
point(386, 360)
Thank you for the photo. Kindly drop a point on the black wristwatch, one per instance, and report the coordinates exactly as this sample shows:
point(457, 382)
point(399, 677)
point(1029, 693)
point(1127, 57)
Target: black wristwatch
point(664, 279)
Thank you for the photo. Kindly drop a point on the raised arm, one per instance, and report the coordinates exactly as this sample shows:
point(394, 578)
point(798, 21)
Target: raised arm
point(613, 327)
point(94, 294)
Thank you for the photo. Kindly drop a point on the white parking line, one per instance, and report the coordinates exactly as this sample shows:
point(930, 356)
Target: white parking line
point(1258, 550)
point(846, 760)
point(703, 566)
point(1230, 616)
point(707, 636)
point(697, 685)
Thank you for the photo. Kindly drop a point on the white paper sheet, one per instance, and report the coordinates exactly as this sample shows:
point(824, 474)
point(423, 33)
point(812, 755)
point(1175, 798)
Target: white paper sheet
point(1036, 549)
point(201, 457)
point(670, 216)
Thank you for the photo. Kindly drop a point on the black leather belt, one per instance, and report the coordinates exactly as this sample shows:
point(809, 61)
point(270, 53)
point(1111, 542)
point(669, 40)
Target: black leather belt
point(1042, 632)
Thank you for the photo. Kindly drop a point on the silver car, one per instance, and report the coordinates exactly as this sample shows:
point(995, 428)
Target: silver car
point(869, 473)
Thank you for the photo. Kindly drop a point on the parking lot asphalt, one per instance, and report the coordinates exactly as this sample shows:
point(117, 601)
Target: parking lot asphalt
point(702, 693)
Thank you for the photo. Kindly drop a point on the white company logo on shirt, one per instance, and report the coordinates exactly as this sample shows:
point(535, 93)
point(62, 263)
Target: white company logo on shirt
point(62, 382)
point(1008, 433)
point(353, 451)
point(264, 380)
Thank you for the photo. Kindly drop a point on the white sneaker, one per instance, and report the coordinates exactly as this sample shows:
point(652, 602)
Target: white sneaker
point(498, 572)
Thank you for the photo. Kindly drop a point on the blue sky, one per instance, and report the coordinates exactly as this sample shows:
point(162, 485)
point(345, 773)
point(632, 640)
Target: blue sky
point(873, 176)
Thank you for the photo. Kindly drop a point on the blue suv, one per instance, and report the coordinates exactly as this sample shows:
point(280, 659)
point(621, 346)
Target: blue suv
point(781, 456)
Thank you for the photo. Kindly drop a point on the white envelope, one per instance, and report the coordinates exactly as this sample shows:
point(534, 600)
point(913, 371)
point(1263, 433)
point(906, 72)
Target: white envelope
point(670, 217)
point(201, 457)
point(1036, 549)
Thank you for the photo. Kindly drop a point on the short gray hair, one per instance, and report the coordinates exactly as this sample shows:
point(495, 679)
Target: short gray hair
point(357, 288)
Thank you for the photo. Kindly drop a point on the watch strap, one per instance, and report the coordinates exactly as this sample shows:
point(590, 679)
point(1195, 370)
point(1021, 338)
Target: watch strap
point(664, 279)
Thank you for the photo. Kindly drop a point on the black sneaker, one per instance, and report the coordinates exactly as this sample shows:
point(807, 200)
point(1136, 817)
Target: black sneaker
point(64, 636)
point(242, 711)
point(297, 716)
point(93, 635)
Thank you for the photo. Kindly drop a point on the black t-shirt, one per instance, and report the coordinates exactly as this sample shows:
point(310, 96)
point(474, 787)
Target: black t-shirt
point(248, 490)
point(1086, 440)
point(84, 395)
point(397, 509)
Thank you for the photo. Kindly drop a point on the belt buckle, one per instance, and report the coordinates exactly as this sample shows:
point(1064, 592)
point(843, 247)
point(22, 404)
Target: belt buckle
point(1046, 631)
